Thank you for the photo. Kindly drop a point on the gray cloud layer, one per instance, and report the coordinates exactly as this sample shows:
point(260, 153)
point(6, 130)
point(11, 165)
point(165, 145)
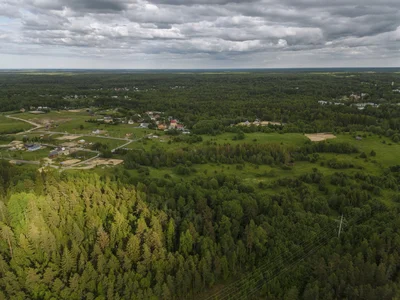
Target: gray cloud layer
point(193, 33)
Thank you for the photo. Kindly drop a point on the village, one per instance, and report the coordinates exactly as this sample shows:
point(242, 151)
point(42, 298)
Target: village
point(82, 138)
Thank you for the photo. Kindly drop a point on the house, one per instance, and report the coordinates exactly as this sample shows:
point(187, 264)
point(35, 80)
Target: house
point(53, 154)
point(180, 127)
point(355, 97)
point(96, 131)
point(144, 125)
point(362, 106)
point(322, 102)
point(81, 141)
point(31, 148)
point(108, 119)
point(22, 110)
point(173, 124)
point(358, 138)
point(130, 122)
point(161, 127)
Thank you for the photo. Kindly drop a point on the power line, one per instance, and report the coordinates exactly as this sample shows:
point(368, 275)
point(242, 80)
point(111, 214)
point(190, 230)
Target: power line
point(232, 288)
point(291, 265)
point(235, 285)
point(306, 249)
point(359, 220)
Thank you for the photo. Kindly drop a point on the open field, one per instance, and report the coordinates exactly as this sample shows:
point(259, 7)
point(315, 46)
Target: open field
point(12, 126)
point(111, 143)
point(25, 155)
point(386, 155)
point(387, 152)
point(289, 139)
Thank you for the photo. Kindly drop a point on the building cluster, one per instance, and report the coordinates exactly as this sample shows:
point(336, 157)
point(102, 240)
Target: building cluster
point(362, 106)
point(258, 123)
point(356, 97)
point(74, 97)
point(59, 151)
point(323, 102)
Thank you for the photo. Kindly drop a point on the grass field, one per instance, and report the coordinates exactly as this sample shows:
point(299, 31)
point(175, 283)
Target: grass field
point(109, 142)
point(12, 126)
point(289, 139)
point(25, 155)
point(387, 153)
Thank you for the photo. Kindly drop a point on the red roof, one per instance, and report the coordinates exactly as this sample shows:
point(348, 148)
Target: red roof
point(173, 121)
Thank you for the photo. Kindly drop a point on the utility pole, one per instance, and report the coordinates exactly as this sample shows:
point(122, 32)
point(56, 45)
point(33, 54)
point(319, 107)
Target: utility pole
point(340, 226)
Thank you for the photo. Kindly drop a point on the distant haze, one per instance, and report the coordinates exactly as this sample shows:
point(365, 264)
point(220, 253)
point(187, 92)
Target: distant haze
point(179, 34)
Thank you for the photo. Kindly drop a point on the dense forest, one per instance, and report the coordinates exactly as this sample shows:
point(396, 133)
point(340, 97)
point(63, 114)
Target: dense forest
point(77, 235)
point(199, 233)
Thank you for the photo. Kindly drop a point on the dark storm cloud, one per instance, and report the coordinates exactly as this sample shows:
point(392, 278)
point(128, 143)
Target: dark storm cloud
point(197, 2)
point(79, 5)
point(206, 29)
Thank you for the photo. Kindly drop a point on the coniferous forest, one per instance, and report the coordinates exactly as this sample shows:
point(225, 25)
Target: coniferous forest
point(210, 218)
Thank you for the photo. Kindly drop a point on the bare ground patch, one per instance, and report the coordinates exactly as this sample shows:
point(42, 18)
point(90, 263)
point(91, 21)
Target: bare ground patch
point(103, 161)
point(68, 137)
point(319, 137)
point(70, 162)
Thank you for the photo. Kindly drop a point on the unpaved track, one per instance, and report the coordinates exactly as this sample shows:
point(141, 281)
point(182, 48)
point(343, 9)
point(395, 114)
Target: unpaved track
point(37, 126)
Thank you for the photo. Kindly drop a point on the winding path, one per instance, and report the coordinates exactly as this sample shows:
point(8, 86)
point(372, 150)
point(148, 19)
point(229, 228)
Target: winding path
point(37, 126)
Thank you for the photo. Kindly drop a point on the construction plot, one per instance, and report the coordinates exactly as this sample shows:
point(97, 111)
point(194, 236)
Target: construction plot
point(70, 162)
point(319, 137)
point(68, 137)
point(104, 161)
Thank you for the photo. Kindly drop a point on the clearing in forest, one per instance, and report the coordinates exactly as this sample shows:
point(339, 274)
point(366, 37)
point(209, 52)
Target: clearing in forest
point(318, 137)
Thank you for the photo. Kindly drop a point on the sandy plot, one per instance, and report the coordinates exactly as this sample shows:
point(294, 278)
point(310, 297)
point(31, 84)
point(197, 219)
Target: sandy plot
point(103, 161)
point(69, 144)
point(318, 137)
point(15, 143)
point(68, 137)
point(70, 162)
point(75, 110)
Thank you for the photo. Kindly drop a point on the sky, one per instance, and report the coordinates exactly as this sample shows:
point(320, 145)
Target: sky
point(195, 34)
